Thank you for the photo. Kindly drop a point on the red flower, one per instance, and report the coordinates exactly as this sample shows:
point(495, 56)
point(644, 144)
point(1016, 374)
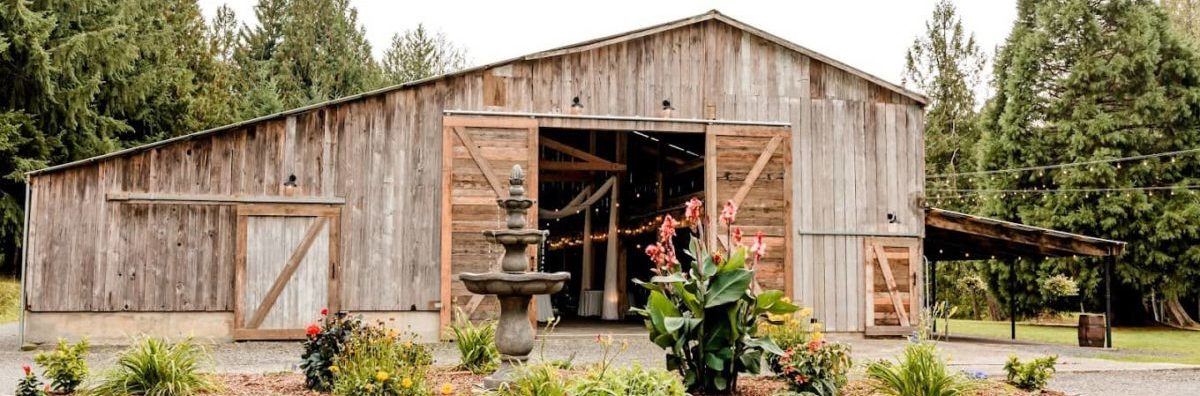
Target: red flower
point(26, 368)
point(801, 378)
point(788, 369)
point(324, 311)
point(717, 258)
point(667, 230)
point(312, 330)
point(737, 236)
point(729, 212)
point(692, 214)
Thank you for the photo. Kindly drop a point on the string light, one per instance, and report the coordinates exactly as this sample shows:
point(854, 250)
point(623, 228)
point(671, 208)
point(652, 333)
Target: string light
point(1172, 154)
point(645, 227)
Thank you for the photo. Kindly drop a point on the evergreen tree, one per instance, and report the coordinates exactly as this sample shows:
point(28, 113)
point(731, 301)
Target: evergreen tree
point(947, 65)
point(309, 51)
point(419, 54)
point(1081, 80)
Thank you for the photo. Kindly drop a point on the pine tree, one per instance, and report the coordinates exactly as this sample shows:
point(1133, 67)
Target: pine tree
point(419, 54)
point(1082, 80)
point(947, 65)
point(304, 52)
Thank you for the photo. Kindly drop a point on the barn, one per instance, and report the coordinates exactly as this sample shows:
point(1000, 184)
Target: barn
point(372, 203)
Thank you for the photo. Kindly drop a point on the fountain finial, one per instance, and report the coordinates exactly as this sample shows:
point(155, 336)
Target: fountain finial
point(516, 183)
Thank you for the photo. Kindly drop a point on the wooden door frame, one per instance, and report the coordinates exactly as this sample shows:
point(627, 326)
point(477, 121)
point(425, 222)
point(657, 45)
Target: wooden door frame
point(451, 123)
point(914, 293)
point(784, 136)
point(332, 216)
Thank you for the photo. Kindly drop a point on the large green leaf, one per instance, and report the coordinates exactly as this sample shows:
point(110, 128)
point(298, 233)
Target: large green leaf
point(737, 260)
point(728, 287)
point(765, 343)
point(771, 301)
point(672, 278)
point(714, 362)
point(675, 324)
point(660, 307)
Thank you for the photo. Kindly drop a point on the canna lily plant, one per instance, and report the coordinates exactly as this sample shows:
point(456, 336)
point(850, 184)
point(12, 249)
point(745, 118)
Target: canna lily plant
point(705, 316)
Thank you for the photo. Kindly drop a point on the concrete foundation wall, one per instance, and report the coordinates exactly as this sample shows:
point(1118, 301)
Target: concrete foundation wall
point(118, 328)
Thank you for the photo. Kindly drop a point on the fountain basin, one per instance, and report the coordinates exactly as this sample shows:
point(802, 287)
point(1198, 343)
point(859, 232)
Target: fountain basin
point(510, 203)
point(515, 237)
point(515, 283)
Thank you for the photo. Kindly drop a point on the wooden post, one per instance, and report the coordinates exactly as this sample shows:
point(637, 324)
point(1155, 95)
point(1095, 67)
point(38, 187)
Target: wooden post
point(933, 290)
point(1109, 262)
point(1012, 298)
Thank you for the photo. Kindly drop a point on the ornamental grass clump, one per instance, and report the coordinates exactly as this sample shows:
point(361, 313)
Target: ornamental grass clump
point(157, 367)
point(65, 367)
point(921, 372)
point(325, 340)
point(476, 344)
point(534, 380)
point(706, 316)
point(377, 361)
point(628, 381)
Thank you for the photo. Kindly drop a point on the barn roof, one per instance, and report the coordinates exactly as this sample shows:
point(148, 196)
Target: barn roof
point(712, 15)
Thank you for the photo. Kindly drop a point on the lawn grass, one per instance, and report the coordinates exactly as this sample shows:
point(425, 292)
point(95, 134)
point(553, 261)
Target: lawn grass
point(1138, 344)
point(10, 299)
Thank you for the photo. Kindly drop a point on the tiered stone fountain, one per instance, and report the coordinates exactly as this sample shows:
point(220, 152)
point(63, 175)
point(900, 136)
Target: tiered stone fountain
point(514, 285)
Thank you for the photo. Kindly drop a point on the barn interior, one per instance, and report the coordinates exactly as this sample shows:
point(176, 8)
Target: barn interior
point(599, 185)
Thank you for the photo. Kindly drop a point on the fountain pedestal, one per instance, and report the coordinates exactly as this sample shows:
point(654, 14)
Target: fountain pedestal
point(514, 285)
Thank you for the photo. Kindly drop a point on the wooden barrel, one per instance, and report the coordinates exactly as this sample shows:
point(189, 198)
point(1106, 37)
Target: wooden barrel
point(1091, 330)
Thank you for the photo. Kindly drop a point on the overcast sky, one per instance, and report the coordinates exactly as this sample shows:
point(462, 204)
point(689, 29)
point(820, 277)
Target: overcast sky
point(870, 35)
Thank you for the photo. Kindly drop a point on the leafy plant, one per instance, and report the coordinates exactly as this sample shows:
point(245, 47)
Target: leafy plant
point(325, 341)
point(29, 385)
point(628, 381)
point(376, 361)
point(157, 367)
point(476, 344)
point(534, 380)
point(818, 368)
point(921, 372)
point(706, 316)
point(1032, 375)
point(65, 367)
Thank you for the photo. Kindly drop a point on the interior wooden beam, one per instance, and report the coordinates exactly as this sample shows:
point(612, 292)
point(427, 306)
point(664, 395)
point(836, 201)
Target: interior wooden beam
point(574, 152)
point(581, 166)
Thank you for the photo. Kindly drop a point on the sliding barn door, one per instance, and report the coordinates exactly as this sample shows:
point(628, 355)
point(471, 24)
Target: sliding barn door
point(752, 166)
point(892, 274)
point(287, 269)
point(477, 159)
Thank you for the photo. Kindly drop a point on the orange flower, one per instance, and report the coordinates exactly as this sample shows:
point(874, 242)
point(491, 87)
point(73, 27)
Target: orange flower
point(737, 236)
point(692, 214)
point(717, 258)
point(729, 213)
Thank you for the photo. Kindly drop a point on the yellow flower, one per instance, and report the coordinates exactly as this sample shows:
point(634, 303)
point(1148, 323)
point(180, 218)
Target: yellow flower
point(806, 312)
point(334, 369)
point(381, 376)
point(391, 333)
point(406, 383)
point(408, 344)
point(370, 387)
point(817, 336)
point(447, 389)
point(786, 299)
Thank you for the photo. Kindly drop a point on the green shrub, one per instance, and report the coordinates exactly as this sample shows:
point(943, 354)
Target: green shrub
point(476, 344)
point(629, 381)
point(375, 361)
point(325, 341)
point(65, 367)
point(156, 367)
point(921, 372)
point(534, 380)
point(29, 385)
point(818, 368)
point(1032, 375)
point(10, 299)
point(706, 317)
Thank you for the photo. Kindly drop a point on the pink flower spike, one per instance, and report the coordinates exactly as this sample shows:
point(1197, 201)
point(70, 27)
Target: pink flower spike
point(737, 236)
point(729, 213)
point(692, 213)
point(27, 369)
point(667, 230)
point(760, 246)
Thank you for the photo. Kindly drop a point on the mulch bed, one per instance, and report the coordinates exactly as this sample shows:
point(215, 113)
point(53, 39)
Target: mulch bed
point(292, 384)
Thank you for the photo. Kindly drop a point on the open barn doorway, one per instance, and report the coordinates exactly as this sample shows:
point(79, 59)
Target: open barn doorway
point(598, 186)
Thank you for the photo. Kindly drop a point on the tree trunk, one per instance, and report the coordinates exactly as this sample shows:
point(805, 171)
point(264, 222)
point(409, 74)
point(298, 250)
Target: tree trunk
point(994, 307)
point(1176, 315)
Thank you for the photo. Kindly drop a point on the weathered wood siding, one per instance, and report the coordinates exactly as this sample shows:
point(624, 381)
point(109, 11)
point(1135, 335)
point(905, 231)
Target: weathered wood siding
point(856, 150)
